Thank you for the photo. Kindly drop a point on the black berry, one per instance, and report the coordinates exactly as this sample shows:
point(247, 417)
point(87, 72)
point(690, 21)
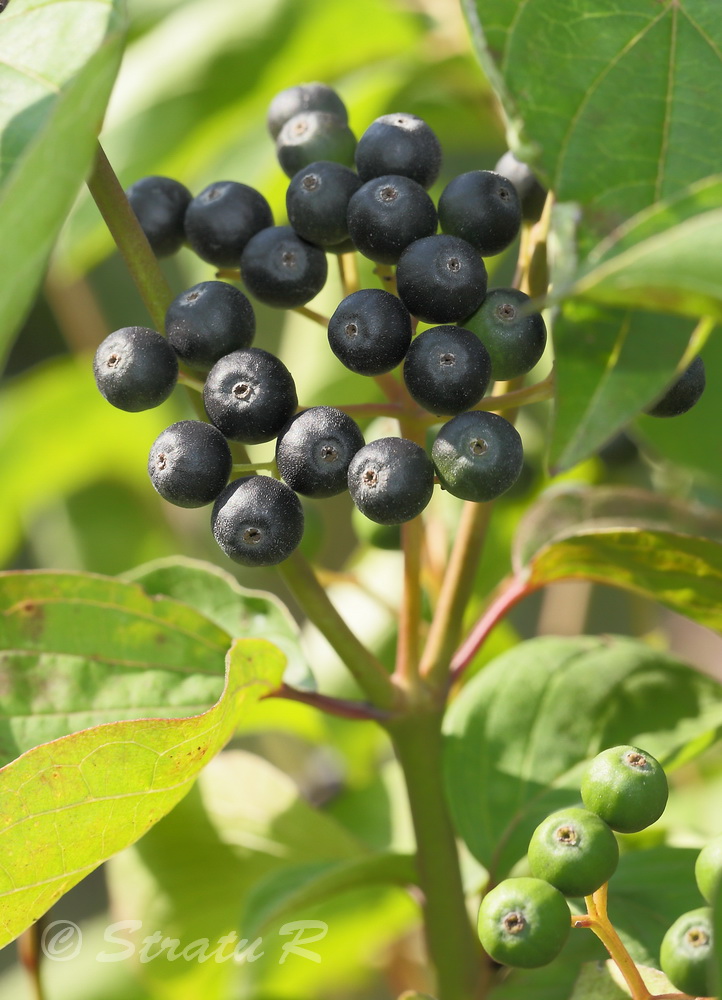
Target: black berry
point(160, 204)
point(135, 368)
point(574, 850)
point(531, 193)
point(257, 521)
point(478, 455)
point(441, 279)
point(514, 338)
point(370, 331)
point(303, 97)
point(281, 269)
point(249, 395)
point(317, 202)
point(208, 321)
point(482, 208)
point(682, 394)
point(312, 136)
point(399, 144)
point(523, 922)
point(391, 480)
point(387, 214)
point(220, 221)
point(189, 463)
point(314, 451)
point(447, 369)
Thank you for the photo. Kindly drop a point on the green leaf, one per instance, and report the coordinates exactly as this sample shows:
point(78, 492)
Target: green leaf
point(82, 650)
point(292, 889)
point(520, 731)
point(58, 61)
point(605, 96)
point(192, 873)
point(682, 572)
point(663, 259)
point(556, 980)
point(609, 364)
point(238, 611)
point(604, 981)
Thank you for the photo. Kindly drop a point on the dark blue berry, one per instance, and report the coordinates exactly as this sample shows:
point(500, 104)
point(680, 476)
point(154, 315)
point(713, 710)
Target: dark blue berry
point(387, 214)
point(160, 204)
point(135, 368)
point(317, 202)
point(281, 269)
point(447, 369)
point(314, 450)
point(399, 144)
point(682, 394)
point(303, 97)
point(531, 193)
point(482, 208)
point(441, 279)
point(391, 480)
point(249, 395)
point(370, 331)
point(189, 463)
point(312, 136)
point(220, 221)
point(208, 321)
point(257, 521)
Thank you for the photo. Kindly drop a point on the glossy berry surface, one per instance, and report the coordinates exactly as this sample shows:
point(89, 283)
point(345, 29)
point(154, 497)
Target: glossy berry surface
point(220, 221)
point(281, 269)
point(249, 395)
point(441, 279)
point(135, 368)
point(314, 451)
point(160, 204)
point(574, 850)
point(317, 202)
point(687, 952)
point(257, 521)
point(482, 208)
point(303, 97)
point(626, 787)
point(708, 869)
point(682, 395)
point(312, 136)
point(387, 214)
point(399, 144)
point(207, 321)
point(447, 369)
point(532, 193)
point(523, 923)
point(189, 463)
point(478, 455)
point(391, 480)
point(370, 331)
point(515, 341)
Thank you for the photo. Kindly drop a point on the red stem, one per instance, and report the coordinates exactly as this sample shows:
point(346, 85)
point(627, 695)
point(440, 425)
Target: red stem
point(333, 706)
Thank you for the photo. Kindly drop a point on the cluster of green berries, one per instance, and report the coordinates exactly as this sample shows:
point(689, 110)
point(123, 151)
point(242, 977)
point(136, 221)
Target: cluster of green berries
point(525, 922)
point(380, 208)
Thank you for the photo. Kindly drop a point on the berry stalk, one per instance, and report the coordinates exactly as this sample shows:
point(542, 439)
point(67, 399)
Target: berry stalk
point(130, 239)
point(599, 923)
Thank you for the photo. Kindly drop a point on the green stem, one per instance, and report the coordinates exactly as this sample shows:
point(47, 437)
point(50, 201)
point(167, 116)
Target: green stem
point(130, 239)
point(369, 672)
point(450, 940)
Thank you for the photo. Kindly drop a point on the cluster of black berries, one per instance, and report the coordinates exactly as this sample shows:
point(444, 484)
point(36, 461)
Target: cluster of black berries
point(524, 922)
point(383, 210)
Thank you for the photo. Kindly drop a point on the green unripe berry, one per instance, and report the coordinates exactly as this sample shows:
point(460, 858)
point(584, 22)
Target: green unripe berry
point(574, 850)
point(708, 869)
point(687, 952)
point(626, 787)
point(523, 922)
